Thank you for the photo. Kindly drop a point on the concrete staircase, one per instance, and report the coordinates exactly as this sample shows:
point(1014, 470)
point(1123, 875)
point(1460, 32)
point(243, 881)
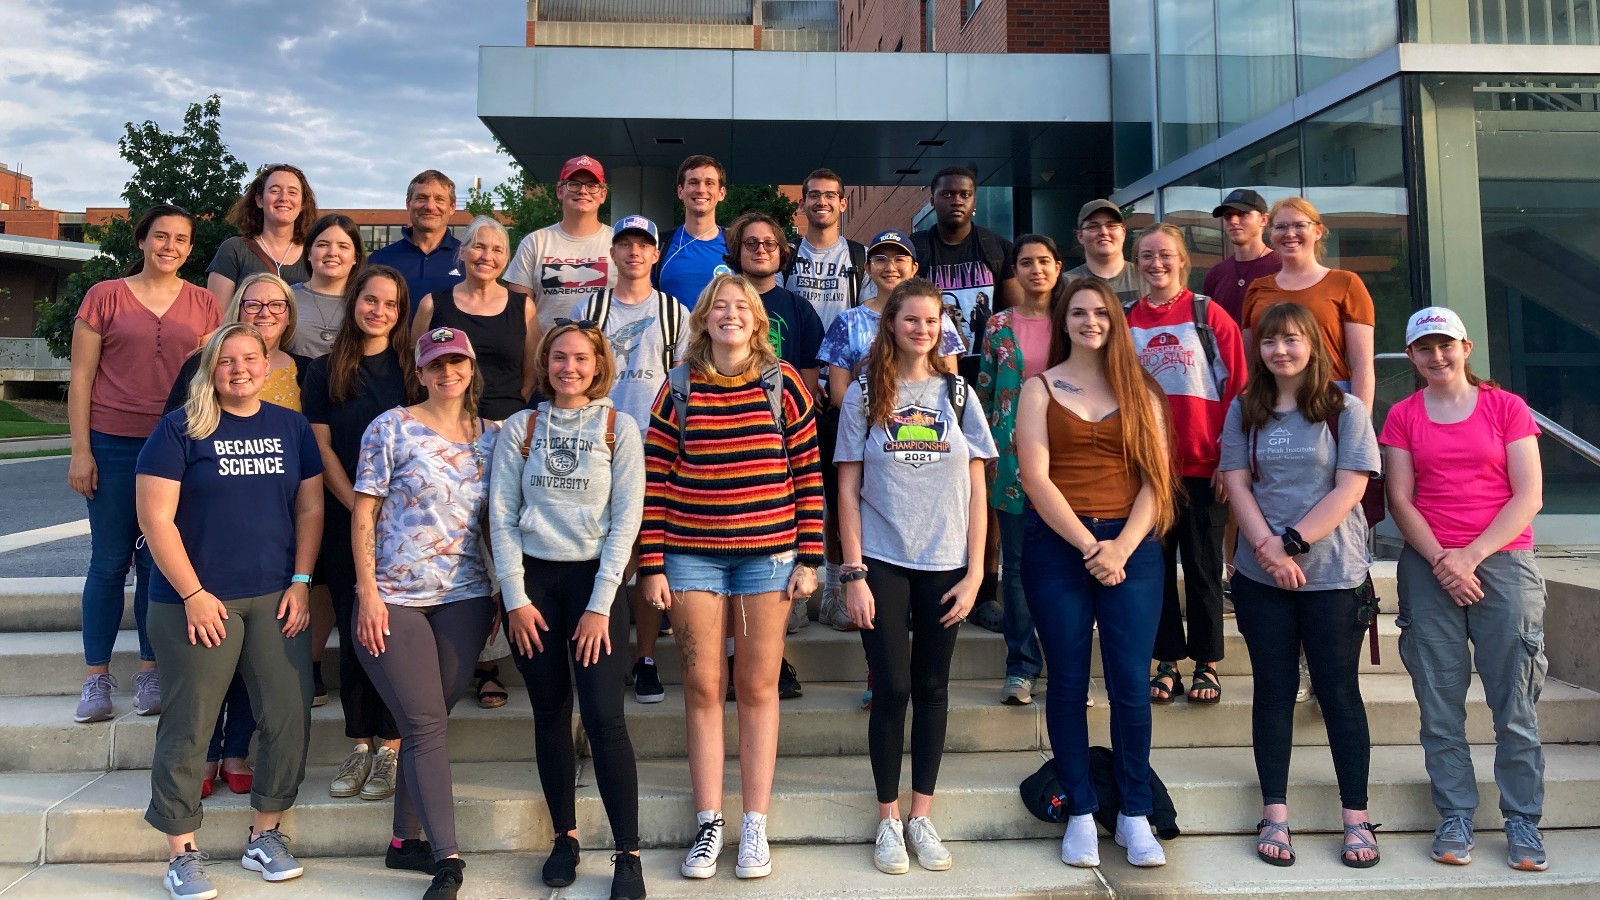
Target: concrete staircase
point(72, 796)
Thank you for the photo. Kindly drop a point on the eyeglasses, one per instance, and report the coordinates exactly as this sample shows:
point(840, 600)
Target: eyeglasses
point(1100, 227)
point(898, 259)
point(1285, 227)
point(830, 196)
point(583, 187)
point(754, 245)
point(254, 307)
point(1164, 257)
point(580, 324)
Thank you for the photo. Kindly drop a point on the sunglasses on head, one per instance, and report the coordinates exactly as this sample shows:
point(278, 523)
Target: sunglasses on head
point(580, 324)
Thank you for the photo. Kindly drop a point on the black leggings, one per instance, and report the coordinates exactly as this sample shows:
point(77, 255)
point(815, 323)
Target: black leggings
point(1276, 623)
point(908, 654)
point(365, 714)
point(560, 592)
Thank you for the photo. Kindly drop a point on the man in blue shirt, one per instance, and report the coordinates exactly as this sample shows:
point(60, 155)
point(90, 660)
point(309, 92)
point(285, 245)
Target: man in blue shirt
point(694, 253)
point(425, 255)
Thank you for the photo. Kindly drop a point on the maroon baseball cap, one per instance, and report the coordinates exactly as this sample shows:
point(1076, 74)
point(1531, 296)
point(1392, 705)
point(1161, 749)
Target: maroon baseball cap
point(584, 164)
point(443, 342)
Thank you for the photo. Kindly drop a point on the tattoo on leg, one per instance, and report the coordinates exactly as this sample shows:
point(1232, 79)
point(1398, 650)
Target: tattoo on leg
point(1065, 386)
point(687, 647)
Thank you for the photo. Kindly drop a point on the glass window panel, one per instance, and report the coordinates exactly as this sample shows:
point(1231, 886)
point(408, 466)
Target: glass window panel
point(1132, 94)
point(1186, 75)
point(1334, 36)
point(1255, 59)
point(1187, 204)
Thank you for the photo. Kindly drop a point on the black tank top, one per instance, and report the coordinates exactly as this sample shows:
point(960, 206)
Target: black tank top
point(499, 341)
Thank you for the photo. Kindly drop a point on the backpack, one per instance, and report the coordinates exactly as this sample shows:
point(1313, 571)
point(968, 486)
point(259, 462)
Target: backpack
point(611, 432)
point(669, 314)
point(771, 384)
point(1202, 325)
point(955, 388)
point(661, 258)
point(858, 265)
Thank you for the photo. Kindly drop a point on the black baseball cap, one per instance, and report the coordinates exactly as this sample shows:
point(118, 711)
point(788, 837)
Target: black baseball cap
point(1241, 200)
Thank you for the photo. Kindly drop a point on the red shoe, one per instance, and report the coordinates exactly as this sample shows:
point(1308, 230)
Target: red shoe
point(239, 783)
point(206, 786)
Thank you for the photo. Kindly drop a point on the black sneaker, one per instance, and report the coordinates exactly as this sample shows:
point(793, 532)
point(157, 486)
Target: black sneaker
point(789, 682)
point(731, 698)
point(447, 883)
point(647, 683)
point(413, 855)
point(561, 868)
point(319, 691)
point(627, 879)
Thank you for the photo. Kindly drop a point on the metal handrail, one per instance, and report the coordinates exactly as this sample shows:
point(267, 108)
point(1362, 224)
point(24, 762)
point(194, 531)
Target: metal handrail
point(1551, 428)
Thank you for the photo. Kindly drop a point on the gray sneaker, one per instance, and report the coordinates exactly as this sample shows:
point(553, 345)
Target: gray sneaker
point(799, 615)
point(147, 692)
point(186, 877)
point(352, 774)
point(95, 706)
point(381, 781)
point(833, 614)
point(268, 853)
point(1524, 845)
point(1452, 841)
point(889, 851)
point(1018, 691)
point(931, 854)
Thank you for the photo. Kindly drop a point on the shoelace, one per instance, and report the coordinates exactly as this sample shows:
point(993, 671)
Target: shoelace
point(384, 764)
point(706, 840)
point(98, 687)
point(351, 765)
point(189, 864)
point(1523, 833)
point(624, 860)
point(275, 842)
point(1454, 828)
point(890, 836)
point(753, 840)
point(922, 831)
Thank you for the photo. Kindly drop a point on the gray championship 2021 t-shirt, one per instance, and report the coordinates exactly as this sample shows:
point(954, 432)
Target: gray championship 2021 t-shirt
point(915, 481)
point(1296, 462)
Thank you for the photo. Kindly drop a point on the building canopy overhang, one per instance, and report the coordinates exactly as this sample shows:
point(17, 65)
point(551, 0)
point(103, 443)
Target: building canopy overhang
point(63, 256)
point(1022, 120)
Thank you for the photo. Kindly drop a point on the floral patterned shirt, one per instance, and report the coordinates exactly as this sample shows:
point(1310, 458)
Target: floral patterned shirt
point(430, 524)
point(999, 387)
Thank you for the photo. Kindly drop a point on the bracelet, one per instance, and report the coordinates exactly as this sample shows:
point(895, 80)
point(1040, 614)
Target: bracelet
point(301, 579)
point(192, 593)
point(852, 567)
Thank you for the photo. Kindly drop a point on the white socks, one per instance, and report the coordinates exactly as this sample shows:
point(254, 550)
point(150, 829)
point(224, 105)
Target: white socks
point(1143, 848)
point(1081, 845)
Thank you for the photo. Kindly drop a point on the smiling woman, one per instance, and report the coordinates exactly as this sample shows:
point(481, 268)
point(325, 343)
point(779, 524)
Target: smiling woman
point(274, 218)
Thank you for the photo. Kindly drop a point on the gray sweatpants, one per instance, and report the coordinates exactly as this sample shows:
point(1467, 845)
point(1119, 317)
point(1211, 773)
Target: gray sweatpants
point(1506, 630)
point(426, 666)
point(195, 678)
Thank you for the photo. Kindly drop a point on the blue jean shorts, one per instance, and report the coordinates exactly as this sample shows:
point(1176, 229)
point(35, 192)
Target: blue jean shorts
point(729, 575)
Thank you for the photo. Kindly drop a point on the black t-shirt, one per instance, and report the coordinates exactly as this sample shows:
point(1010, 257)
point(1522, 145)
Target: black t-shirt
point(968, 281)
point(796, 330)
point(380, 387)
point(500, 343)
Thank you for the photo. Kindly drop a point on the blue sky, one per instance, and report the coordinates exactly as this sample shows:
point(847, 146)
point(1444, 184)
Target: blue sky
point(361, 95)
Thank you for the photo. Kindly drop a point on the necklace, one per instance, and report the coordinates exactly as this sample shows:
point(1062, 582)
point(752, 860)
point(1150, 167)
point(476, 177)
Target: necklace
point(327, 332)
point(277, 260)
point(921, 397)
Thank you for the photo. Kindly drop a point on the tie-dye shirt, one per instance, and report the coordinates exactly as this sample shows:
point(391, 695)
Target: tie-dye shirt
point(430, 525)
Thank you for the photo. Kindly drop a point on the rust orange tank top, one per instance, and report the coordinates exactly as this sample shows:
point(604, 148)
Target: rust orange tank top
point(1086, 463)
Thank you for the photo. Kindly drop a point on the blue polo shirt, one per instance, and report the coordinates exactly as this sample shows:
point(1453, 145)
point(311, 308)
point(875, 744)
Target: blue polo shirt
point(424, 272)
point(688, 265)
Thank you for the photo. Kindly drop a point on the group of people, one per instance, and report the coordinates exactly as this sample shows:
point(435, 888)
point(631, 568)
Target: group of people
point(454, 462)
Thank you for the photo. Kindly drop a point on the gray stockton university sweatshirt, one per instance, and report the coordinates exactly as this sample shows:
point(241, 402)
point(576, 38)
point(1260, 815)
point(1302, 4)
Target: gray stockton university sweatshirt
point(569, 501)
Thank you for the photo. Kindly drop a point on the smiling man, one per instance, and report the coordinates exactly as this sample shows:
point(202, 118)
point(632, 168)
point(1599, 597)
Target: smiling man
point(695, 252)
point(1102, 232)
point(1244, 219)
point(825, 268)
point(561, 263)
point(425, 255)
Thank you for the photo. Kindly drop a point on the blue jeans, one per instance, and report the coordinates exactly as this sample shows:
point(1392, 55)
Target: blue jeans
point(1023, 659)
point(1067, 602)
point(727, 575)
point(114, 545)
point(236, 724)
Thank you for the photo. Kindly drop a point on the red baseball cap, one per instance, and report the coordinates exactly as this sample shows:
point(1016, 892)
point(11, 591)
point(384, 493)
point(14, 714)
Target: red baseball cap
point(583, 164)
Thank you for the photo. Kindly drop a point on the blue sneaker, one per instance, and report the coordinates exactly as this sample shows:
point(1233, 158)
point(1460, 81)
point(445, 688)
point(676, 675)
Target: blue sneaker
point(1524, 845)
point(268, 853)
point(1452, 841)
point(186, 877)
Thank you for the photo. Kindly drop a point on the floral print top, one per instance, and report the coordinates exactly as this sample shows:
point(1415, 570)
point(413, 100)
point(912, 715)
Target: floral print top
point(430, 524)
point(999, 386)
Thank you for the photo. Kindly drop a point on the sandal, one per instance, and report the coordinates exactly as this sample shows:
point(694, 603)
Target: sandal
point(1274, 828)
point(491, 698)
point(1164, 672)
point(1205, 678)
point(1359, 837)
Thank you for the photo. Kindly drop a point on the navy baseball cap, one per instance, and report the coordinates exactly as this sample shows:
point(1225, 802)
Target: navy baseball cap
point(637, 224)
point(894, 237)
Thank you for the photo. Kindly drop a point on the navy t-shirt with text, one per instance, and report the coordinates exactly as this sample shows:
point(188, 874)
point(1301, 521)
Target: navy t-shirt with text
point(236, 504)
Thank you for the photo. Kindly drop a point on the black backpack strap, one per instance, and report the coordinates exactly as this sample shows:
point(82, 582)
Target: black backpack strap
point(1202, 326)
point(599, 307)
point(994, 253)
point(858, 269)
point(670, 316)
point(788, 267)
point(956, 387)
point(678, 385)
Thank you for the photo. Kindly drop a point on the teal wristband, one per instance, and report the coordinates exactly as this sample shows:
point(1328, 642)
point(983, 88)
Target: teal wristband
point(300, 579)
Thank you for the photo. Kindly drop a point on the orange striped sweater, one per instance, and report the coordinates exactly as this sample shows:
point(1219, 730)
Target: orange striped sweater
point(730, 493)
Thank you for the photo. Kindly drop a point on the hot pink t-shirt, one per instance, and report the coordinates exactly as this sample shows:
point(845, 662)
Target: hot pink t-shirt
point(1033, 339)
point(1462, 480)
point(140, 354)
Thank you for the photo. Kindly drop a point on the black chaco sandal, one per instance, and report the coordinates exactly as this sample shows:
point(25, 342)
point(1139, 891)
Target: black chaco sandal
point(1205, 678)
point(489, 697)
point(1274, 828)
point(1164, 672)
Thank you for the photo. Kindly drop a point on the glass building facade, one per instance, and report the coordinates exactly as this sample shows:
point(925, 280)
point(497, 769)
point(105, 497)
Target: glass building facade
point(1476, 191)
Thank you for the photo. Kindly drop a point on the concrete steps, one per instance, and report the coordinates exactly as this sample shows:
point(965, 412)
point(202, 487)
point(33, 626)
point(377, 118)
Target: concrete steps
point(37, 734)
point(1196, 867)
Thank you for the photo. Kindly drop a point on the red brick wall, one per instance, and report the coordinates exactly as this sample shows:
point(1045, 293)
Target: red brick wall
point(530, 34)
point(873, 25)
point(1058, 26)
point(37, 223)
point(16, 190)
point(983, 32)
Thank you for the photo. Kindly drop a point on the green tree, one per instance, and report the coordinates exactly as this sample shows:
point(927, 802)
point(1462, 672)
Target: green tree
point(743, 198)
point(192, 168)
point(523, 203)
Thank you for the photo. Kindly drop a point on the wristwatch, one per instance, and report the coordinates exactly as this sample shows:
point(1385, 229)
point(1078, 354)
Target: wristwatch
point(853, 575)
point(1293, 543)
point(301, 579)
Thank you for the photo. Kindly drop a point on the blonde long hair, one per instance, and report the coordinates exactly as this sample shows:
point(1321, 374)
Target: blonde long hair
point(201, 408)
point(697, 356)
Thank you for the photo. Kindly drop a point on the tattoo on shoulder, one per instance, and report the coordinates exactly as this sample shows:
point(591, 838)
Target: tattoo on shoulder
point(1066, 386)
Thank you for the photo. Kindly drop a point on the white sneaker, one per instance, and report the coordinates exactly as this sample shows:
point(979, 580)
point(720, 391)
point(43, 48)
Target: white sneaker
point(1143, 848)
point(889, 851)
point(702, 859)
point(1080, 846)
point(931, 854)
point(1305, 692)
point(755, 859)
